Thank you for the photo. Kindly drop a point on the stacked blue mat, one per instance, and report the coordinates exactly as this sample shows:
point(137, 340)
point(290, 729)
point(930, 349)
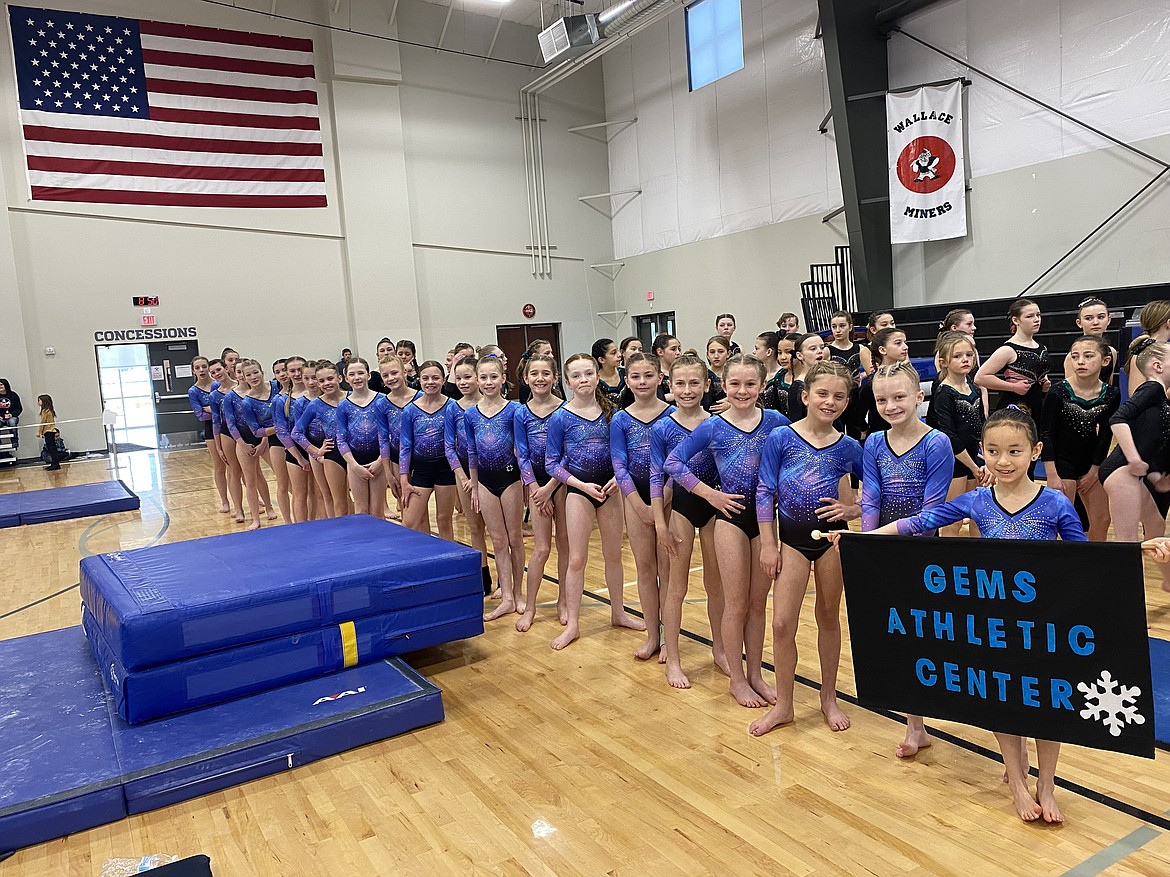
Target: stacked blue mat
point(179, 626)
point(64, 503)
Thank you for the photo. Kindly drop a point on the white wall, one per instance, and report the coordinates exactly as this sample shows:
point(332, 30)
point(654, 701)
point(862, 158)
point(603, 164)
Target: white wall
point(421, 148)
point(744, 153)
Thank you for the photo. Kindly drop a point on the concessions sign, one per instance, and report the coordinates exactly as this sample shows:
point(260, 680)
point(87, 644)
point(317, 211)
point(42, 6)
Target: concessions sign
point(1040, 639)
point(927, 176)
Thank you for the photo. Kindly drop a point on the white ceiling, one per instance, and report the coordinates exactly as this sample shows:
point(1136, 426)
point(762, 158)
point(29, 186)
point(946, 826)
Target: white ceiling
point(525, 12)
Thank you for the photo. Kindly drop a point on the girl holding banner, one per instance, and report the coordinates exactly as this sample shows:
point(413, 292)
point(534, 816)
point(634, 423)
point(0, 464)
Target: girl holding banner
point(1014, 508)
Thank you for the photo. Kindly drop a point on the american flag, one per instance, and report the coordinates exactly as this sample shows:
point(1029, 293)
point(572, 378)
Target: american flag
point(119, 111)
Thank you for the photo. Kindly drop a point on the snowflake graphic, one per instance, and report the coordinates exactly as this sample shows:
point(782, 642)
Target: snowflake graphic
point(1115, 704)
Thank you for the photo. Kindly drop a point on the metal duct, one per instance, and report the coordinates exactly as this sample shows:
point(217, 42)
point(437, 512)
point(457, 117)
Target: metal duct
point(611, 21)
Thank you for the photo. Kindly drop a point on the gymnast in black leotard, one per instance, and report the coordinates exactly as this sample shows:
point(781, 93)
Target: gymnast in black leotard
point(1018, 370)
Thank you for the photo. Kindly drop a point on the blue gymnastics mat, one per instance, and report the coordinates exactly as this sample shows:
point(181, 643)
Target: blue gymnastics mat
point(63, 503)
point(165, 689)
point(68, 763)
point(1160, 673)
point(165, 603)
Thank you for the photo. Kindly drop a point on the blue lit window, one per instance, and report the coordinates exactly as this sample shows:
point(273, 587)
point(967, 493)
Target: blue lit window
point(714, 40)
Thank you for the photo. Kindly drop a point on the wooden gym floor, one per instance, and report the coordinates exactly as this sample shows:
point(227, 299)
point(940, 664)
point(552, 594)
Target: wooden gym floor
point(585, 761)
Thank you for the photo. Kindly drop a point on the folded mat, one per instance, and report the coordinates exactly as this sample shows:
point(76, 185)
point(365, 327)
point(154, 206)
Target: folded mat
point(140, 695)
point(1160, 674)
point(168, 602)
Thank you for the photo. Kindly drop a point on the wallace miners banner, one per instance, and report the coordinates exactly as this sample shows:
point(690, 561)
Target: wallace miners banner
point(1041, 639)
point(927, 178)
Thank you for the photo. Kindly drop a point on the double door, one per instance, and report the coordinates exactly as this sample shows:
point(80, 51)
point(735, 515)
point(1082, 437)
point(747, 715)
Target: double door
point(146, 386)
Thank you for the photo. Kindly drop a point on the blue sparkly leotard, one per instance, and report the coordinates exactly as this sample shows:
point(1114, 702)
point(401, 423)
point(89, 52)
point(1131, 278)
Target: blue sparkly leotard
point(667, 435)
point(257, 413)
point(421, 435)
point(233, 416)
point(1047, 516)
point(284, 423)
point(576, 447)
point(393, 414)
point(808, 474)
point(629, 448)
point(531, 432)
point(455, 437)
point(491, 446)
point(361, 429)
point(900, 486)
point(737, 460)
point(317, 422)
point(218, 418)
point(201, 399)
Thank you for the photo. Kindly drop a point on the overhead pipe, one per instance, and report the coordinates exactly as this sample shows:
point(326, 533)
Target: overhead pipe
point(616, 24)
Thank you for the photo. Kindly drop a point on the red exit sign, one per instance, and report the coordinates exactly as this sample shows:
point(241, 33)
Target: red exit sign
point(148, 319)
point(145, 301)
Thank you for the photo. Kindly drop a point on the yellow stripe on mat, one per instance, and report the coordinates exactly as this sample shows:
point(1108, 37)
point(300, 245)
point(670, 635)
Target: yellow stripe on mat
point(349, 650)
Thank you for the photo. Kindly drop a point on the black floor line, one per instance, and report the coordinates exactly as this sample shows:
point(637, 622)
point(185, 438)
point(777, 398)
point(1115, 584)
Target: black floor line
point(1155, 819)
point(38, 601)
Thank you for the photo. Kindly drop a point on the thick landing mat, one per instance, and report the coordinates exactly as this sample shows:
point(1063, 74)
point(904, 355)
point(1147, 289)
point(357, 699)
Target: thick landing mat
point(67, 763)
point(169, 602)
point(165, 689)
point(1160, 671)
point(63, 503)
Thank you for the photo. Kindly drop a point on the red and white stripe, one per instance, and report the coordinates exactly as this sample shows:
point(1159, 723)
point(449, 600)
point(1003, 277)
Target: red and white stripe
point(234, 123)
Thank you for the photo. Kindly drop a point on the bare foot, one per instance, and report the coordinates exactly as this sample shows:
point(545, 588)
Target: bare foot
point(255, 525)
point(624, 620)
point(524, 622)
point(1026, 806)
point(521, 606)
point(721, 664)
point(238, 517)
point(1046, 798)
point(502, 609)
point(763, 689)
point(497, 594)
point(647, 650)
point(571, 633)
point(915, 741)
point(745, 695)
point(272, 516)
point(774, 718)
point(675, 676)
point(836, 719)
point(661, 657)
point(562, 613)
point(224, 508)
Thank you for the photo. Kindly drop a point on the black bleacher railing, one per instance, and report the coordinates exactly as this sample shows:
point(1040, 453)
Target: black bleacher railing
point(828, 289)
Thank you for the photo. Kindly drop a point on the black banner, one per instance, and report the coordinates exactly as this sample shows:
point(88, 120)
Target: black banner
point(1040, 639)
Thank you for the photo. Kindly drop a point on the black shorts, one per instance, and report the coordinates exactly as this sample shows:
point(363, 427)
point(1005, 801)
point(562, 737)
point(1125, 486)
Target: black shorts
point(798, 535)
point(335, 456)
point(290, 459)
point(596, 504)
point(431, 473)
point(745, 520)
point(1069, 470)
point(962, 471)
point(206, 430)
point(498, 482)
point(541, 475)
point(643, 489)
point(364, 458)
point(694, 508)
point(248, 436)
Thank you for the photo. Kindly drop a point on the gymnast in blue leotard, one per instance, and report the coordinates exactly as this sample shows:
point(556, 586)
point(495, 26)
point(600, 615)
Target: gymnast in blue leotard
point(679, 513)
point(286, 408)
point(316, 432)
point(399, 394)
point(546, 500)
point(363, 441)
point(200, 396)
point(629, 445)
point(577, 454)
point(906, 469)
point(225, 445)
point(455, 449)
point(735, 439)
point(422, 465)
point(249, 419)
point(496, 492)
point(800, 476)
point(1013, 508)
